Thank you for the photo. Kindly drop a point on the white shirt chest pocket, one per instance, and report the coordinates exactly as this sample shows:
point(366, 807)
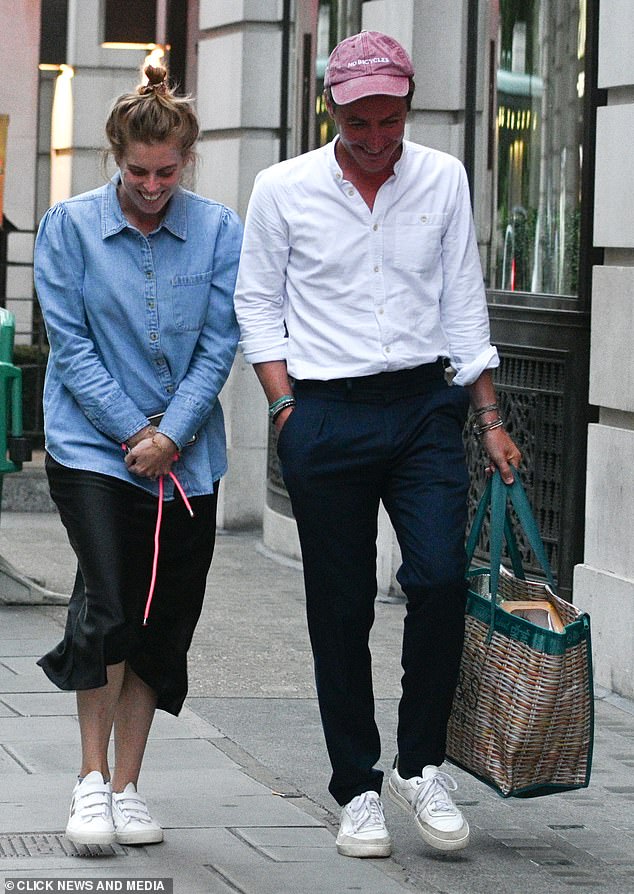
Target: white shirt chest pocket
point(417, 240)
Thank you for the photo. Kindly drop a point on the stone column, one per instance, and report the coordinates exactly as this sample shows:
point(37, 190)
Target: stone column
point(238, 98)
point(604, 583)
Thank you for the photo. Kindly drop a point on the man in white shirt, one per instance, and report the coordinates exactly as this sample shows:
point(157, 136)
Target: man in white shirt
point(359, 288)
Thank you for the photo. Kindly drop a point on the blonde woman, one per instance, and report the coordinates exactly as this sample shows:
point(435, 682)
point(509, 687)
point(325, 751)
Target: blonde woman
point(135, 280)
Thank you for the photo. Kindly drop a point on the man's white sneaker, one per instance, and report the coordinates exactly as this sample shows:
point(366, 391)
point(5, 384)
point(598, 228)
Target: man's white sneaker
point(90, 819)
point(428, 797)
point(362, 831)
point(132, 821)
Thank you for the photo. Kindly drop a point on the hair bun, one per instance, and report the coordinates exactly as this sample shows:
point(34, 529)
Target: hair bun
point(157, 80)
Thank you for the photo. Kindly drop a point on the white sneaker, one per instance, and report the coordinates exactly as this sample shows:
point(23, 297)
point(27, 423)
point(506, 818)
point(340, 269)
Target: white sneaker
point(90, 819)
point(132, 821)
point(428, 797)
point(362, 831)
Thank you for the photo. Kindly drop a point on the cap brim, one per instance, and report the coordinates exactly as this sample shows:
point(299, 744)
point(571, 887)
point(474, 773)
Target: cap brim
point(369, 85)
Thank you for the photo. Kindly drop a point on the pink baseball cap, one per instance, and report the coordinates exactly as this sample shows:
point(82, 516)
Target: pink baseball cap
point(367, 64)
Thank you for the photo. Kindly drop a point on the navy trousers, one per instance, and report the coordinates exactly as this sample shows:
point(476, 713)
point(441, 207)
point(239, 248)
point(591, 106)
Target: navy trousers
point(349, 444)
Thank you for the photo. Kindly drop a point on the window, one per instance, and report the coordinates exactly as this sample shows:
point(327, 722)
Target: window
point(538, 128)
point(326, 40)
point(53, 26)
point(131, 22)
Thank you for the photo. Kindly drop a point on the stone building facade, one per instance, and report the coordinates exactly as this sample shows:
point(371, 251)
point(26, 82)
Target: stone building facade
point(255, 67)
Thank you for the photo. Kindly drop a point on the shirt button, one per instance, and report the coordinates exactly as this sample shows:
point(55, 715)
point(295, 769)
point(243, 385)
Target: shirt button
point(150, 304)
point(351, 192)
point(169, 389)
point(381, 311)
point(149, 274)
point(387, 350)
point(377, 269)
point(153, 336)
point(424, 218)
point(375, 227)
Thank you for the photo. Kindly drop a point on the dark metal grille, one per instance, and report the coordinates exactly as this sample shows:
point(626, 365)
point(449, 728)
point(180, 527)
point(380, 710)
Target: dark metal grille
point(55, 844)
point(530, 396)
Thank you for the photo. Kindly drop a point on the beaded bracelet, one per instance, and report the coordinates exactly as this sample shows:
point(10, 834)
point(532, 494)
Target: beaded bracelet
point(282, 403)
point(278, 403)
point(285, 406)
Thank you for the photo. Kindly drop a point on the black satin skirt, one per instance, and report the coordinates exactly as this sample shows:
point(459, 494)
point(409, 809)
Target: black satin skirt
point(110, 525)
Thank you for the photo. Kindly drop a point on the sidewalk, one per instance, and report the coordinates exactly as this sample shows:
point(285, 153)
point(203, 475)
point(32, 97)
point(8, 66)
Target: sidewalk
point(238, 781)
point(225, 831)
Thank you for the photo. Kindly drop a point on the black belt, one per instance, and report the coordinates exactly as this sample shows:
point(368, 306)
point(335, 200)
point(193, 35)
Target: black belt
point(405, 381)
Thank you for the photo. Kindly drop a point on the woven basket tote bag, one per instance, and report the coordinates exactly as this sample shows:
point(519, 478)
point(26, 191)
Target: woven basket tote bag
point(522, 719)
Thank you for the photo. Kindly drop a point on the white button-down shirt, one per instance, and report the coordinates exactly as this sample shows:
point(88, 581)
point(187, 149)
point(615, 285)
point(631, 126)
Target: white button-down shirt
point(339, 291)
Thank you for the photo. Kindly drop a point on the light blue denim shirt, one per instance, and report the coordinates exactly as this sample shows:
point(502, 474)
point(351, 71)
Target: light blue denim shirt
point(138, 325)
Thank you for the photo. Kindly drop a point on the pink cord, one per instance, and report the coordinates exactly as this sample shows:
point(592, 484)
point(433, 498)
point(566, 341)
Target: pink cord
point(182, 493)
point(157, 534)
point(157, 531)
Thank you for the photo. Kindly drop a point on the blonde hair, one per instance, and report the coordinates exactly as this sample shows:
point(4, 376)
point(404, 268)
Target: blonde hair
point(152, 114)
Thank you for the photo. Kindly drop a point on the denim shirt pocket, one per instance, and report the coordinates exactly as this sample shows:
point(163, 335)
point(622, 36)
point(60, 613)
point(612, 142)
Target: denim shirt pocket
point(190, 299)
point(418, 240)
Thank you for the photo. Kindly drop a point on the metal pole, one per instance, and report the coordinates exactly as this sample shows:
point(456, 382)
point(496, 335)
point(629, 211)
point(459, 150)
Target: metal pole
point(471, 89)
point(286, 40)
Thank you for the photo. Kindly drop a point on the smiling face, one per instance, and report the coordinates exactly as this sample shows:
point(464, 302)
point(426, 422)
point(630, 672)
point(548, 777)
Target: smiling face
point(371, 132)
point(150, 174)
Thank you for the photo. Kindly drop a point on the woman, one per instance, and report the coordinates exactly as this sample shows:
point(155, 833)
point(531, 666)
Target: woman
point(136, 281)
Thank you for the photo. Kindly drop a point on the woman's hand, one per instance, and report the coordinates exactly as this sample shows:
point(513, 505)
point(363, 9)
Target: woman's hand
point(151, 456)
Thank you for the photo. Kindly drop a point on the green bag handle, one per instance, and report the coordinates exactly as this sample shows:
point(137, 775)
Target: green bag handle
point(509, 535)
point(497, 493)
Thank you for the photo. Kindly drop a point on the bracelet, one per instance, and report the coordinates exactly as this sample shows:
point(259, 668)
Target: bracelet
point(484, 410)
point(280, 403)
point(163, 448)
point(289, 402)
point(481, 429)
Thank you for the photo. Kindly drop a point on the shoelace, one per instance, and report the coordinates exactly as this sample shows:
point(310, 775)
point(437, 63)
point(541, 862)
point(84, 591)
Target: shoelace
point(436, 791)
point(366, 810)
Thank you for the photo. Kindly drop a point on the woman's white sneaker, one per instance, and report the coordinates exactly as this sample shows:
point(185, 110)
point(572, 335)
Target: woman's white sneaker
point(90, 819)
point(428, 798)
point(362, 831)
point(132, 821)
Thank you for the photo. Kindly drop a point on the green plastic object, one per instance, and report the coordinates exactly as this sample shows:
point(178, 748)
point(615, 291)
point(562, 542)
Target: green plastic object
point(10, 393)
point(7, 335)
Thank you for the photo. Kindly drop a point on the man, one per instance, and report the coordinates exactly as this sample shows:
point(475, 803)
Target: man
point(360, 280)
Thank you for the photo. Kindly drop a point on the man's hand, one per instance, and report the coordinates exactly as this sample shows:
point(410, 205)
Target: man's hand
point(281, 418)
point(502, 451)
